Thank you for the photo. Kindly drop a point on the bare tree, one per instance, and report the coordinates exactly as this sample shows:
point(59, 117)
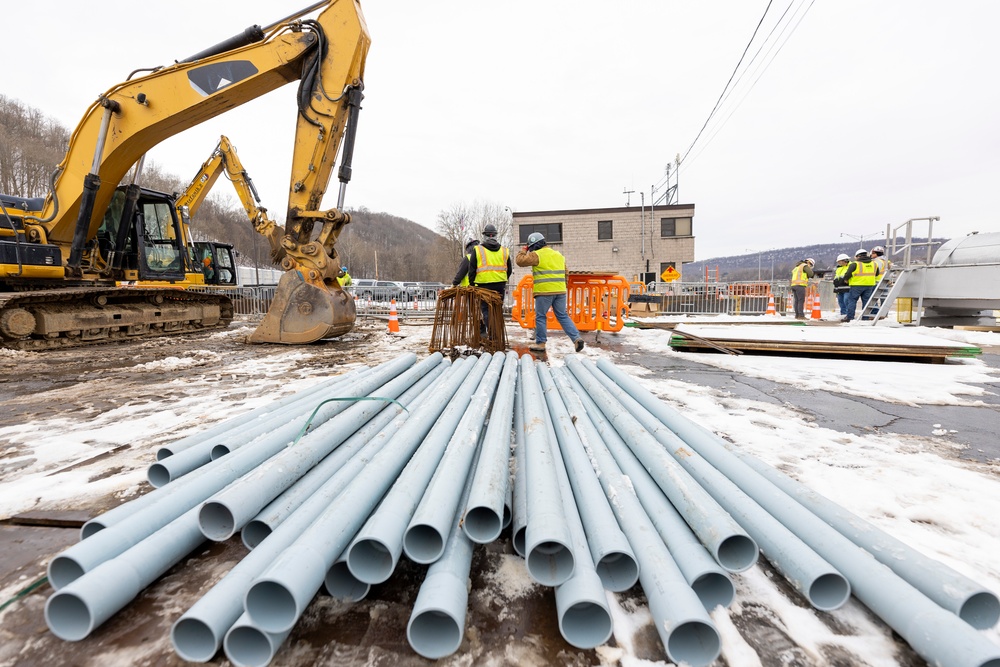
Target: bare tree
point(462, 222)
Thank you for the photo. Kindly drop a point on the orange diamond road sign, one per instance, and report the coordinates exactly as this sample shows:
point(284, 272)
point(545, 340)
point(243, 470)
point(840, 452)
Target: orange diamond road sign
point(669, 274)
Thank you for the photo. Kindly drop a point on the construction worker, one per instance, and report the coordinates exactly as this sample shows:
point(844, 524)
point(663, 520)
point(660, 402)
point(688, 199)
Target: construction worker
point(206, 266)
point(801, 274)
point(490, 268)
point(548, 271)
point(861, 275)
point(461, 278)
point(881, 261)
point(840, 286)
point(344, 278)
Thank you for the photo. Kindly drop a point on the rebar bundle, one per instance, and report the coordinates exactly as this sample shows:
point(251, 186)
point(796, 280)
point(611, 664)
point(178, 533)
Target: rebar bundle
point(458, 321)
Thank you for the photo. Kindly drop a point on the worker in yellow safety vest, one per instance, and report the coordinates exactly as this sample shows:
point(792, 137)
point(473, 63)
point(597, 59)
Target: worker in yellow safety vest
point(548, 274)
point(490, 268)
point(862, 275)
point(345, 278)
point(840, 286)
point(801, 274)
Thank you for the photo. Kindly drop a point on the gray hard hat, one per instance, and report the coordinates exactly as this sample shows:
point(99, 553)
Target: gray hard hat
point(535, 237)
point(489, 231)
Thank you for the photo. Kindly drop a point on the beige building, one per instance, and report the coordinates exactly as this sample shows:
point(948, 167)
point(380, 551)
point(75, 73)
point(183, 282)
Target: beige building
point(632, 241)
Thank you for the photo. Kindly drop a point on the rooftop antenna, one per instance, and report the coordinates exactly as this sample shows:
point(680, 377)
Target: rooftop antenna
point(628, 198)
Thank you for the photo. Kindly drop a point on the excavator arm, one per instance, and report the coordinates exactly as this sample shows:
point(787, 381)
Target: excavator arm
point(225, 160)
point(326, 55)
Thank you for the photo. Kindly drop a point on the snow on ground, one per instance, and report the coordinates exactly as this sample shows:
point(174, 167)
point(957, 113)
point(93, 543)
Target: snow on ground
point(940, 505)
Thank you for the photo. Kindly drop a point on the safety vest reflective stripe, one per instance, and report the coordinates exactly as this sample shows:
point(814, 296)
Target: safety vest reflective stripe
point(839, 271)
point(799, 276)
point(491, 265)
point(465, 278)
point(549, 277)
point(865, 273)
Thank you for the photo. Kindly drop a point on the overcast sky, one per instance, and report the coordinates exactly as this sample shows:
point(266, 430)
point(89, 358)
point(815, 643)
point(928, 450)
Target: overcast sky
point(854, 115)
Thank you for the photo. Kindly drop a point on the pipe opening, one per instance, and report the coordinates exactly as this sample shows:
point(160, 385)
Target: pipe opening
point(370, 561)
point(68, 617)
point(193, 640)
point(163, 452)
point(518, 541)
point(695, 642)
point(586, 625)
point(343, 585)
point(158, 475)
point(737, 553)
point(271, 606)
point(64, 570)
point(714, 589)
point(246, 645)
point(482, 525)
point(434, 634)
point(508, 515)
point(829, 591)
point(981, 611)
point(254, 533)
point(423, 543)
point(550, 563)
point(92, 527)
point(618, 571)
point(216, 521)
point(218, 451)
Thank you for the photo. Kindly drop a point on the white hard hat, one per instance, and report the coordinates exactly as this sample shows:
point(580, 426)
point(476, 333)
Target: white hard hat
point(843, 258)
point(860, 252)
point(812, 262)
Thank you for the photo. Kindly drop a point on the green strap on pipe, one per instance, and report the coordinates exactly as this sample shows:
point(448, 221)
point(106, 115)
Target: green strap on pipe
point(305, 427)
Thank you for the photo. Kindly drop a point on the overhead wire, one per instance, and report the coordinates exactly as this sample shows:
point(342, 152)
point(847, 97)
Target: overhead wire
point(723, 93)
point(718, 128)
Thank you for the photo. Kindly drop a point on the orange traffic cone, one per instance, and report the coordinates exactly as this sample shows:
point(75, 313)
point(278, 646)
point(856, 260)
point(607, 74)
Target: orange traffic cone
point(770, 305)
point(393, 319)
point(817, 313)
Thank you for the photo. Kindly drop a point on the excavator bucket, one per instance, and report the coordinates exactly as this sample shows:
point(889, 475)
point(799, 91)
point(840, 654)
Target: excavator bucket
point(301, 312)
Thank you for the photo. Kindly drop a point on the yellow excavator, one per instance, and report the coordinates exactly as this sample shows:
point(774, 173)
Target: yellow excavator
point(101, 259)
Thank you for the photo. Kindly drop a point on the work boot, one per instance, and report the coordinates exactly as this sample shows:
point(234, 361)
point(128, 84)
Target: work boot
point(578, 344)
point(537, 347)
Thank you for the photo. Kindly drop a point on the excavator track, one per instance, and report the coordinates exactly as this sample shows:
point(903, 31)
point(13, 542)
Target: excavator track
point(84, 316)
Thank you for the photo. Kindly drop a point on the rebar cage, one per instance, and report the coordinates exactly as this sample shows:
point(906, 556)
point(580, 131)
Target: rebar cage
point(458, 321)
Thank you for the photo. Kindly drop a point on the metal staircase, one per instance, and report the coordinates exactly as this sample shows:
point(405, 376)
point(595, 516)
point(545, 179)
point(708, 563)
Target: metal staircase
point(884, 296)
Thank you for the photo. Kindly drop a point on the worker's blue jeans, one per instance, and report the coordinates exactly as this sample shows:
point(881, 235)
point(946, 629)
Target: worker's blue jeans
point(842, 302)
point(557, 302)
point(863, 292)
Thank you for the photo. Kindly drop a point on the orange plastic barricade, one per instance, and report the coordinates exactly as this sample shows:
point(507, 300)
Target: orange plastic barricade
point(594, 301)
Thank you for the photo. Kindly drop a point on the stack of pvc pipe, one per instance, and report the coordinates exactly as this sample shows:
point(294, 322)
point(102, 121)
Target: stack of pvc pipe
point(610, 488)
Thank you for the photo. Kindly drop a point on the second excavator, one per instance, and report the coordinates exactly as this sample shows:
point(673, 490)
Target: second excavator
point(98, 259)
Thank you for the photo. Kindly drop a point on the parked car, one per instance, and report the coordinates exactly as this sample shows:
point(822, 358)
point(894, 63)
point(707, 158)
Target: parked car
point(430, 290)
point(411, 291)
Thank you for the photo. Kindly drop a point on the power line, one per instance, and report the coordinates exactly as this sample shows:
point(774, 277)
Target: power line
point(723, 93)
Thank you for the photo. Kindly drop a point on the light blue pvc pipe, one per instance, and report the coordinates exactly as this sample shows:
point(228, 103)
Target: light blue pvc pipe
point(437, 620)
point(970, 600)
point(425, 536)
point(249, 646)
point(808, 572)
point(485, 509)
point(365, 443)
point(519, 509)
point(375, 550)
point(705, 576)
point(187, 442)
point(581, 603)
point(952, 590)
point(280, 595)
point(937, 635)
point(229, 510)
point(725, 539)
point(680, 618)
point(609, 550)
point(289, 427)
point(199, 633)
point(124, 511)
point(160, 507)
point(80, 606)
point(343, 585)
point(548, 544)
point(166, 470)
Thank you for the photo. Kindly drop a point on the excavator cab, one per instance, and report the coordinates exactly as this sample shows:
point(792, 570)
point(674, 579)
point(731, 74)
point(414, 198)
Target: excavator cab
point(217, 262)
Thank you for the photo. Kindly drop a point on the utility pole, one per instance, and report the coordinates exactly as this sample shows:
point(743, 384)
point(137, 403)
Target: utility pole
point(861, 239)
point(628, 197)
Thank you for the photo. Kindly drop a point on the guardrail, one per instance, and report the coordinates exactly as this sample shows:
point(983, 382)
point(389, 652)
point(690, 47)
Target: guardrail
point(734, 298)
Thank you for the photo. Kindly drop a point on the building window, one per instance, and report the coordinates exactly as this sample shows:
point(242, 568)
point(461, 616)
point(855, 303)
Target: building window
point(675, 227)
point(551, 231)
point(605, 230)
point(667, 265)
